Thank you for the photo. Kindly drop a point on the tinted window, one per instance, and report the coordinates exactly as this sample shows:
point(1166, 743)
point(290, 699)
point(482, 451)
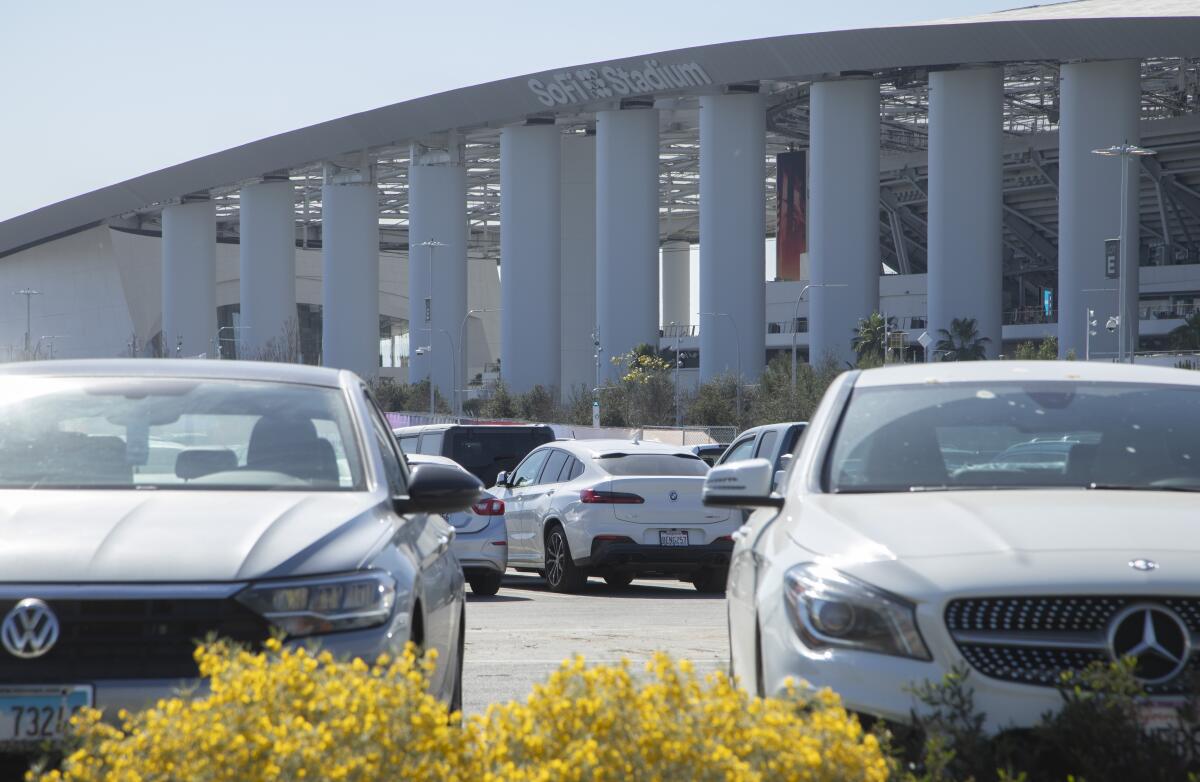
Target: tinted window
point(393, 472)
point(980, 435)
point(408, 444)
point(527, 473)
point(766, 445)
point(739, 451)
point(485, 451)
point(431, 443)
point(653, 464)
point(576, 469)
point(554, 466)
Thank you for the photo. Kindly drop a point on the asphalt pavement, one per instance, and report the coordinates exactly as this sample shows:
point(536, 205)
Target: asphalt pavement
point(522, 634)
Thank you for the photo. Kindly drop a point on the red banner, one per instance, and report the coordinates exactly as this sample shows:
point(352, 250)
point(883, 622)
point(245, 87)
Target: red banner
point(791, 237)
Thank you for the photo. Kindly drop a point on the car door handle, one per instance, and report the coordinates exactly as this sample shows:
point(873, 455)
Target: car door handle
point(741, 533)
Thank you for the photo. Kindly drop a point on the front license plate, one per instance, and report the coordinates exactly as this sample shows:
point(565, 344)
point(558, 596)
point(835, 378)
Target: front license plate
point(40, 713)
point(671, 538)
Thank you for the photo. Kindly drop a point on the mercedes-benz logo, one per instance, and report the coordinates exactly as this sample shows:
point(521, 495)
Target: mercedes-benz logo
point(1153, 635)
point(674, 495)
point(1144, 565)
point(30, 629)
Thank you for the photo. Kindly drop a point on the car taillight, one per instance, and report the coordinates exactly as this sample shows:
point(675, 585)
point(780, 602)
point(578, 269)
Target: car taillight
point(610, 497)
point(489, 507)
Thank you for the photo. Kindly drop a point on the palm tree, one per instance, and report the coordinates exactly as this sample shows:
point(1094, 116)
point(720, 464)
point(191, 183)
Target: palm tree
point(961, 342)
point(868, 342)
point(1187, 336)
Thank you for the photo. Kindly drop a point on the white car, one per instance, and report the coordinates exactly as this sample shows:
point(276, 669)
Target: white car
point(617, 509)
point(290, 511)
point(913, 537)
point(481, 537)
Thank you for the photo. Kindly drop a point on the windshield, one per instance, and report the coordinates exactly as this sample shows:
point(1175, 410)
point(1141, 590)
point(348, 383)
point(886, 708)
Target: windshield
point(652, 464)
point(1012, 434)
point(170, 433)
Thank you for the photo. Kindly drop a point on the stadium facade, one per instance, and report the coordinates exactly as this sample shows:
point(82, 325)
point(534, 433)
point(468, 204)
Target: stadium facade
point(930, 171)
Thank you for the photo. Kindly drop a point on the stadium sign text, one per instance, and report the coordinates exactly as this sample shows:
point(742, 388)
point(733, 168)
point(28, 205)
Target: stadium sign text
point(606, 81)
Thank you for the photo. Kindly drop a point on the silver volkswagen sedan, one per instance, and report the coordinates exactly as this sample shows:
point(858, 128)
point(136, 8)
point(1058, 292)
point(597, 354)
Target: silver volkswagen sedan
point(145, 504)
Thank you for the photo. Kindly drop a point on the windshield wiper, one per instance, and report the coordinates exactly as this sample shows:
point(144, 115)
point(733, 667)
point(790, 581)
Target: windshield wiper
point(1143, 487)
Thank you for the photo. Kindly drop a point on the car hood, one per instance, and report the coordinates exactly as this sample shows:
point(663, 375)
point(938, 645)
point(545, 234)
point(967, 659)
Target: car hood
point(950, 524)
point(139, 536)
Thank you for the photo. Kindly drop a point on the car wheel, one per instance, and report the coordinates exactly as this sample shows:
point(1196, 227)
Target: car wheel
point(711, 580)
point(561, 573)
point(618, 580)
point(485, 584)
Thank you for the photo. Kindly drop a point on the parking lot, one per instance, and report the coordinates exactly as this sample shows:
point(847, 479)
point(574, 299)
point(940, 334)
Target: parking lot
point(521, 635)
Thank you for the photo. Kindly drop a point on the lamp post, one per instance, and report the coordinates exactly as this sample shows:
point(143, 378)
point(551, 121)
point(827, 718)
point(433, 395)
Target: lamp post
point(235, 329)
point(1125, 152)
point(1090, 322)
point(678, 361)
point(596, 389)
point(422, 350)
point(737, 339)
point(461, 382)
point(28, 293)
point(432, 244)
point(796, 317)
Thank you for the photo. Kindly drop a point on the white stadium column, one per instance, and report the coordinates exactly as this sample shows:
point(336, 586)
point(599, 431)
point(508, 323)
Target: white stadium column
point(732, 229)
point(268, 268)
point(676, 283)
point(530, 335)
point(350, 272)
point(578, 244)
point(965, 201)
point(1100, 106)
point(843, 229)
point(626, 232)
point(189, 279)
point(437, 245)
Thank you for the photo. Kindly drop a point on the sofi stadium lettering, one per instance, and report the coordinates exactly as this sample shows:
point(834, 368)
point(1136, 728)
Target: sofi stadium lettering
point(607, 81)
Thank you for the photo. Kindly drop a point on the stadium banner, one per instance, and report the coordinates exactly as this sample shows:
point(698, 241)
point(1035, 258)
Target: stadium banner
point(791, 237)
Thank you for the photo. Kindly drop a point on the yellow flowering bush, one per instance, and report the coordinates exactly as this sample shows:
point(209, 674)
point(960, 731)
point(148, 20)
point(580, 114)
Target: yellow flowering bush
point(289, 714)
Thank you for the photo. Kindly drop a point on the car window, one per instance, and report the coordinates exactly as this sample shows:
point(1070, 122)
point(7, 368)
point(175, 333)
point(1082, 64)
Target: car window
point(652, 464)
point(738, 451)
point(408, 443)
point(1018, 434)
point(527, 473)
point(554, 465)
point(431, 443)
point(486, 450)
point(766, 444)
point(571, 470)
point(393, 471)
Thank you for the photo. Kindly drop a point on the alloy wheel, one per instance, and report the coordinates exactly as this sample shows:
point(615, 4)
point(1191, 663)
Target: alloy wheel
point(554, 558)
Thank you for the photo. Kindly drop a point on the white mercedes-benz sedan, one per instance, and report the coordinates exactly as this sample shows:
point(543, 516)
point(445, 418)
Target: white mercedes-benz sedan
point(145, 504)
point(617, 509)
point(1016, 519)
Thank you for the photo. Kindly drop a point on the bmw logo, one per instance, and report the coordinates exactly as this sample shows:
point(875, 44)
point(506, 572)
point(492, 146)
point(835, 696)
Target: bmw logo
point(674, 495)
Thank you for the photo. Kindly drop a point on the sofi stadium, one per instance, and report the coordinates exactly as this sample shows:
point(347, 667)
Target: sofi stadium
point(531, 228)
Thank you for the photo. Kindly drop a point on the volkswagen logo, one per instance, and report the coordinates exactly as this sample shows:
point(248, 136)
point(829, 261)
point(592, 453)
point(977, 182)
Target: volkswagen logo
point(30, 629)
point(1154, 636)
point(1144, 565)
point(674, 495)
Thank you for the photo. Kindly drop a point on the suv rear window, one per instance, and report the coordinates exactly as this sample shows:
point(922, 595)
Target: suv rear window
point(485, 451)
point(652, 464)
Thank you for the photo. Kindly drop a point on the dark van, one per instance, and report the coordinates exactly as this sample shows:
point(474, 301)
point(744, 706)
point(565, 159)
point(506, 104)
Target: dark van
point(483, 450)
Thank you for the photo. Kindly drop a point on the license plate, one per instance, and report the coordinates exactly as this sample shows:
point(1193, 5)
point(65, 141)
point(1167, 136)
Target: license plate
point(672, 538)
point(40, 713)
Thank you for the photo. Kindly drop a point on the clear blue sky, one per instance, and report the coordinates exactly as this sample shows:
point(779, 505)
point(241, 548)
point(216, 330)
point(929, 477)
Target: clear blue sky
point(92, 92)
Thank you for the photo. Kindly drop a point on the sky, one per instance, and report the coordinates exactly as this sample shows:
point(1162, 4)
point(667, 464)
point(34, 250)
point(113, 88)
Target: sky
point(93, 93)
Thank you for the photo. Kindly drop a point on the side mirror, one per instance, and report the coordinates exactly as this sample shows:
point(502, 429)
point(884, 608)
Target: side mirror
point(438, 488)
point(777, 485)
point(502, 478)
point(744, 484)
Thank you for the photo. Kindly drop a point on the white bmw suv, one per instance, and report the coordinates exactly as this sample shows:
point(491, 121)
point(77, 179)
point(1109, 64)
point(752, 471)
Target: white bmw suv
point(1016, 519)
point(617, 509)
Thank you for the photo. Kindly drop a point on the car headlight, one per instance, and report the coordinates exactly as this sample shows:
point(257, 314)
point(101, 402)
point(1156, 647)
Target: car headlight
point(324, 604)
point(831, 609)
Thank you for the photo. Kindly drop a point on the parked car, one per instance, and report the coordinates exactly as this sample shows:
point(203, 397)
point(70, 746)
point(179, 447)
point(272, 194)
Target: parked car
point(482, 449)
point(617, 509)
point(774, 442)
point(710, 452)
point(112, 568)
point(480, 539)
point(881, 565)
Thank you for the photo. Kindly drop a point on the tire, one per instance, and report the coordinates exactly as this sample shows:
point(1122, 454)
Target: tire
point(618, 580)
point(711, 581)
point(561, 573)
point(485, 584)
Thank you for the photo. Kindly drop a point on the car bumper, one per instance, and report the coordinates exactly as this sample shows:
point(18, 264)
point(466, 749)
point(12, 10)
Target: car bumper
point(485, 550)
point(617, 555)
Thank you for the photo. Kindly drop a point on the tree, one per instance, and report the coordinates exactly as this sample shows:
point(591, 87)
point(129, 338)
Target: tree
point(500, 404)
point(870, 338)
point(1046, 350)
point(961, 342)
point(1187, 336)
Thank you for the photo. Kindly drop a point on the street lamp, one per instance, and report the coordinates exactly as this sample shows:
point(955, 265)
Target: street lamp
point(432, 244)
point(678, 361)
point(796, 317)
point(420, 352)
point(1125, 152)
point(737, 339)
point(28, 293)
point(597, 350)
point(234, 329)
point(461, 383)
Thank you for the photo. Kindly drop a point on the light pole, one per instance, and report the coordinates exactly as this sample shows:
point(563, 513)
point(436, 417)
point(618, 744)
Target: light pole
point(462, 347)
point(431, 244)
point(596, 390)
point(28, 293)
point(1124, 151)
point(234, 329)
point(738, 380)
point(678, 361)
point(420, 352)
point(796, 318)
